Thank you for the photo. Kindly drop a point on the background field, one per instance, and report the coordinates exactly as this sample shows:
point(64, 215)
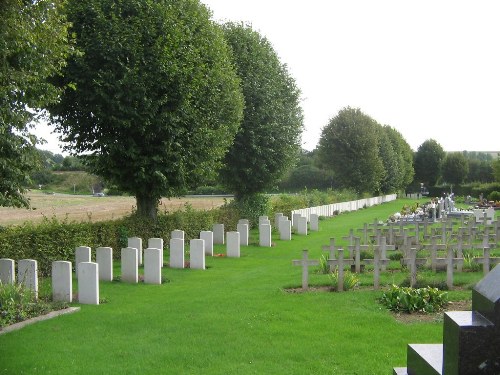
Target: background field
point(87, 207)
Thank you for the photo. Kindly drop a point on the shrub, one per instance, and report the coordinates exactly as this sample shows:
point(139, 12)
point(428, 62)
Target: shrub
point(18, 303)
point(409, 300)
point(351, 280)
point(494, 196)
point(324, 267)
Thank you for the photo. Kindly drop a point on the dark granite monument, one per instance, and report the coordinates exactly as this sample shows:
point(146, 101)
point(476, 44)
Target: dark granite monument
point(471, 339)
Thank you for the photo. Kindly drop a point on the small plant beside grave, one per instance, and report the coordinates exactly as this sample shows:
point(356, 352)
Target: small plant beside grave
point(410, 300)
point(350, 280)
point(18, 303)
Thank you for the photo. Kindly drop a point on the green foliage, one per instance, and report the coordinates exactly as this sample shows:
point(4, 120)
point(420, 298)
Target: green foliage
point(251, 207)
point(455, 168)
point(428, 161)
point(307, 176)
point(268, 141)
point(324, 267)
point(351, 280)
point(469, 263)
point(157, 102)
point(409, 300)
point(18, 303)
point(33, 46)
point(349, 146)
point(494, 196)
point(496, 169)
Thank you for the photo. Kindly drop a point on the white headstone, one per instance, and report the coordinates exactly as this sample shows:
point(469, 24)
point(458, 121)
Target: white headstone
point(136, 243)
point(152, 266)
point(104, 258)
point(88, 283)
point(208, 237)
point(285, 230)
point(176, 253)
point(197, 254)
point(265, 235)
point(314, 222)
point(82, 254)
point(156, 243)
point(62, 281)
point(27, 274)
point(263, 220)
point(302, 225)
point(244, 221)
point(130, 268)
point(233, 244)
point(7, 271)
point(177, 234)
point(295, 220)
point(242, 229)
point(277, 218)
point(218, 230)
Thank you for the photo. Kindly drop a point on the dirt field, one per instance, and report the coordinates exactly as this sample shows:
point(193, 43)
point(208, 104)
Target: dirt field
point(78, 207)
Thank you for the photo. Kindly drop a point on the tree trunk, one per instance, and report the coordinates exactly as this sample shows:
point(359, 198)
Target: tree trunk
point(147, 206)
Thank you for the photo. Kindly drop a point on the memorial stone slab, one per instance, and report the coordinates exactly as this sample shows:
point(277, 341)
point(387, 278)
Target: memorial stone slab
point(62, 282)
point(197, 254)
point(104, 258)
point(177, 234)
point(265, 235)
point(156, 243)
point(7, 271)
point(218, 230)
point(129, 265)
point(136, 243)
point(176, 253)
point(152, 266)
point(27, 274)
point(88, 283)
point(208, 237)
point(285, 230)
point(82, 254)
point(242, 229)
point(314, 222)
point(302, 226)
point(233, 244)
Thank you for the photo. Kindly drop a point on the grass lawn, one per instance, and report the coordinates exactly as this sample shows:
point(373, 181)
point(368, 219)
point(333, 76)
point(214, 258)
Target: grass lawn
point(233, 318)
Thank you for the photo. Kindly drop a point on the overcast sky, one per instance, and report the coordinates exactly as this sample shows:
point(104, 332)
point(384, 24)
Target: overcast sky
point(430, 69)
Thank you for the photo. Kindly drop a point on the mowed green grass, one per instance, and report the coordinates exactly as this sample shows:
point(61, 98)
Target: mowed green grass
point(232, 318)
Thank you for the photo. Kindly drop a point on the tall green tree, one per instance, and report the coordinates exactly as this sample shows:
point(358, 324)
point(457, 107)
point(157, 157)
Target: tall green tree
point(157, 100)
point(496, 168)
point(455, 168)
point(268, 141)
point(404, 155)
point(428, 161)
point(33, 46)
point(349, 146)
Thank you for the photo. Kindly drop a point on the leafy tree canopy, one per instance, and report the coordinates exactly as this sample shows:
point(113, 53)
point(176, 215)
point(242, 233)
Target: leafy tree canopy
point(349, 146)
point(428, 161)
point(455, 168)
point(33, 46)
point(268, 141)
point(157, 102)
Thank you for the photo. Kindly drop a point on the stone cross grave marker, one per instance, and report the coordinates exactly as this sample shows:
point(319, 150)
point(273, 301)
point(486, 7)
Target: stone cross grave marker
point(486, 260)
point(413, 262)
point(433, 247)
point(305, 263)
point(364, 233)
point(378, 263)
point(382, 247)
point(355, 250)
point(350, 237)
point(331, 248)
point(340, 262)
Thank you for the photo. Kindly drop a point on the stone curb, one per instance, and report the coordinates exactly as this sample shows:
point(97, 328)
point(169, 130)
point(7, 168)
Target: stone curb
point(50, 315)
